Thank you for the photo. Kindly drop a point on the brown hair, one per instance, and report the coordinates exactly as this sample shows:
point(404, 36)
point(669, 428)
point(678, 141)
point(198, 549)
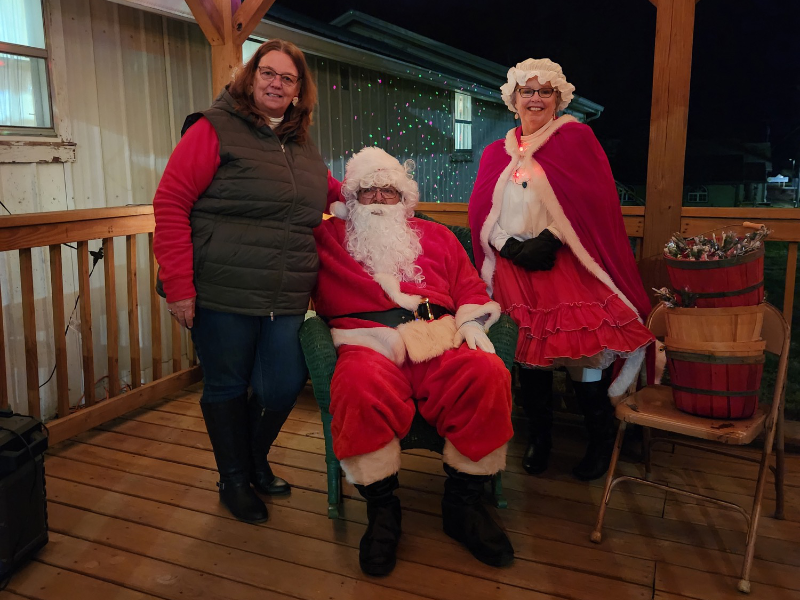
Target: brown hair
point(296, 119)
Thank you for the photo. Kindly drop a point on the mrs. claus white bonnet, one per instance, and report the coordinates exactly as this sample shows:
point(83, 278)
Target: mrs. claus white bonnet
point(546, 70)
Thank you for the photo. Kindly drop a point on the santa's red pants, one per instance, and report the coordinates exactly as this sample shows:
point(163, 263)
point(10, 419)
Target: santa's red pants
point(465, 394)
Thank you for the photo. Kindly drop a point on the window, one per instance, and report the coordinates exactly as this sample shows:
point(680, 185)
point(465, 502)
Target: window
point(463, 122)
point(697, 195)
point(24, 90)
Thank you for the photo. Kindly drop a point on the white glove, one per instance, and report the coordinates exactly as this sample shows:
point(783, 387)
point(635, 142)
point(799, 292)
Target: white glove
point(472, 333)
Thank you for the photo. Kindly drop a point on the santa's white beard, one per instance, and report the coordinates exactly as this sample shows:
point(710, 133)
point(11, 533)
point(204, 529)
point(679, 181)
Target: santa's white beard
point(380, 237)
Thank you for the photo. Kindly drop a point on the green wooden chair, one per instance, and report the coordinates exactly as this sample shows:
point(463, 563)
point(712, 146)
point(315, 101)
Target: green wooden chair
point(320, 355)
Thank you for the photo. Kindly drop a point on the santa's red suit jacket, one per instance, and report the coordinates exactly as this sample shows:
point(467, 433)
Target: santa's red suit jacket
point(344, 286)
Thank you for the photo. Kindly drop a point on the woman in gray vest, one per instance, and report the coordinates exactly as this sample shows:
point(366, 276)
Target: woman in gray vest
point(234, 212)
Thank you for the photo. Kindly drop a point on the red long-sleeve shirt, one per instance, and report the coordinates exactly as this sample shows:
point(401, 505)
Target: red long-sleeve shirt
point(189, 171)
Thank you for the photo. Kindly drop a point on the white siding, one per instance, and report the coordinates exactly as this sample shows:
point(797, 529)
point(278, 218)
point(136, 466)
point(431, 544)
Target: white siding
point(129, 80)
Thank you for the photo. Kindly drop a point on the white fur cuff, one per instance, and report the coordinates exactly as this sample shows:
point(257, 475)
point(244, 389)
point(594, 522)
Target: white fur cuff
point(489, 465)
point(425, 340)
point(373, 466)
point(472, 312)
point(339, 209)
point(627, 375)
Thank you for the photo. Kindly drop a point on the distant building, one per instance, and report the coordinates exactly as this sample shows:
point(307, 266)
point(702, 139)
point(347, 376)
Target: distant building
point(415, 97)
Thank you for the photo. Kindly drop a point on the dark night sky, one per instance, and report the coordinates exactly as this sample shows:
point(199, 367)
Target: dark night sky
point(745, 65)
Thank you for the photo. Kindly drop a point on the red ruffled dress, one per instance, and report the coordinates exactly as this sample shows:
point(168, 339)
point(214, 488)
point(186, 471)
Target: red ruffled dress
point(566, 316)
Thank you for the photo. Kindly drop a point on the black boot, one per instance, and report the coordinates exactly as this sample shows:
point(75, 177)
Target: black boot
point(227, 426)
point(536, 390)
point(601, 426)
point(378, 550)
point(266, 425)
point(466, 519)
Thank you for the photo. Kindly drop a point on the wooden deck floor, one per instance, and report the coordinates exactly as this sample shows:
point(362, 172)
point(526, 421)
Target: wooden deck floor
point(134, 514)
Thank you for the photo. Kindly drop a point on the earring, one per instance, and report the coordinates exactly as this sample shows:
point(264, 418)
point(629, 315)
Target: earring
point(516, 116)
point(295, 100)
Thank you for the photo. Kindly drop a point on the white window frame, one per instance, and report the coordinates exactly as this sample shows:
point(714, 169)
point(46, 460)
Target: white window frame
point(54, 144)
point(457, 121)
point(697, 195)
point(32, 52)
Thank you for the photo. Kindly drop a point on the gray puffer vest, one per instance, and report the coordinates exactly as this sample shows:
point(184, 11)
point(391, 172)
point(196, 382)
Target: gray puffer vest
point(254, 251)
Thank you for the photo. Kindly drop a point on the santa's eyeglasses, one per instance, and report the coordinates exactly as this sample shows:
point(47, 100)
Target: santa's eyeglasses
point(388, 193)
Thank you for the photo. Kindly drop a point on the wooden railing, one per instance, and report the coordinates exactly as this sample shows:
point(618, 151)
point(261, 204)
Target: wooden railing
point(784, 222)
point(38, 236)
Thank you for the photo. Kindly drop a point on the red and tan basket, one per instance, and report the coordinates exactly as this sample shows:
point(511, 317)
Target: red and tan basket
point(737, 281)
point(716, 360)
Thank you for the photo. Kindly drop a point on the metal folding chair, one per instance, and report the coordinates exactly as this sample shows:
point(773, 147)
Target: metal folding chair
point(653, 407)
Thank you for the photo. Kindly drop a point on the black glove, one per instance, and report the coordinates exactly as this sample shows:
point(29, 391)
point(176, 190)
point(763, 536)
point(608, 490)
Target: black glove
point(539, 253)
point(511, 248)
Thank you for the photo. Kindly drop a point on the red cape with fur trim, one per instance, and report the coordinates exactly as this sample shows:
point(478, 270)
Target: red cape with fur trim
point(345, 287)
point(577, 170)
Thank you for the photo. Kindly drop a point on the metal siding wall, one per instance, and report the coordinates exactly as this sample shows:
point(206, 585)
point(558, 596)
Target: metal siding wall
point(406, 118)
point(131, 79)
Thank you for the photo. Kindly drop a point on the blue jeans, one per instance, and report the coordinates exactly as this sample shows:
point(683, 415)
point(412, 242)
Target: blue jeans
point(240, 351)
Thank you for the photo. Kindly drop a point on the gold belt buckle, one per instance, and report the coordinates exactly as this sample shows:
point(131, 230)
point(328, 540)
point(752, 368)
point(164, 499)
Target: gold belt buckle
point(426, 303)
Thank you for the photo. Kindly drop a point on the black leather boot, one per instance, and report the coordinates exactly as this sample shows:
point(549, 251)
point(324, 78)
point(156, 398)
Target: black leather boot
point(378, 549)
point(266, 425)
point(536, 391)
point(227, 426)
point(466, 519)
point(601, 426)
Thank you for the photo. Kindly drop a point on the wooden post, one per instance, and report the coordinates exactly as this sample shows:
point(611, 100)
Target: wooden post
point(668, 119)
point(226, 31)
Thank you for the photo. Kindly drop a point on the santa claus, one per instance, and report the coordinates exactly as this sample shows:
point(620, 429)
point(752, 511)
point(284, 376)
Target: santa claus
point(408, 314)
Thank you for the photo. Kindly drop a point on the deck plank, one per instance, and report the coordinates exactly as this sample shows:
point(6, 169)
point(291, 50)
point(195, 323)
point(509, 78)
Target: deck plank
point(694, 583)
point(286, 522)
point(41, 581)
point(539, 528)
point(141, 573)
point(135, 514)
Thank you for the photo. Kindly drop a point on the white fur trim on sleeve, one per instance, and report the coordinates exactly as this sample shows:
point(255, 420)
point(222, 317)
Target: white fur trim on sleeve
point(628, 373)
point(471, 312)
point(384, 340)
point(373, 466)
point(391, 286)
point(339, 209)
point(489, 465)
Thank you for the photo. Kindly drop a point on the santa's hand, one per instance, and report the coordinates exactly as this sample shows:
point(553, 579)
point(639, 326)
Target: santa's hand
point(472, 333)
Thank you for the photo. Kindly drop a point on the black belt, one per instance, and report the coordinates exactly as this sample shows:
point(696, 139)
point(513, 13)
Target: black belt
point(426, 311)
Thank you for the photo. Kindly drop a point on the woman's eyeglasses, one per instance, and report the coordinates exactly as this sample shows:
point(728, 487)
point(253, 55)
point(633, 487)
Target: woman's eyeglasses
point(268, 75)
point(529, 92)
point(386, 193)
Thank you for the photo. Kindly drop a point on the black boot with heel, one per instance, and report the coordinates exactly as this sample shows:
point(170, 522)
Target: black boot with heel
point(378, 549)
point(266, 425)
point(227, 425)
point(601, 426)
point(466, 520)
point(536, 391)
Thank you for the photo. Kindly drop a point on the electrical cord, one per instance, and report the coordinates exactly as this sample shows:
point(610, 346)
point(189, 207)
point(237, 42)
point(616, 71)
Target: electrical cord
point(97, 256)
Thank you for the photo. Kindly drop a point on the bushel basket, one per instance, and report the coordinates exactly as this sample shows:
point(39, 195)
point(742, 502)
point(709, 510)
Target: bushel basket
point(716, 360)
point(737, 281)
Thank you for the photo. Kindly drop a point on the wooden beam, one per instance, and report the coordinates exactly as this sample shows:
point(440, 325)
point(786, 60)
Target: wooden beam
point(247, 16)
point(209, 19)
point(668, 119)
point(226, 56)
point(88, 418)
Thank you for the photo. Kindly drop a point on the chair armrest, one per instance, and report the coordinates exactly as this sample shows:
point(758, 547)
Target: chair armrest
point(320, 355)
point(503, 336)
